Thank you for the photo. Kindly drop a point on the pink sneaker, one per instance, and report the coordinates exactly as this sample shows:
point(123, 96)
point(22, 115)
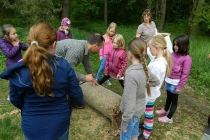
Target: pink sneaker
point(165, 119)
point(161, 112)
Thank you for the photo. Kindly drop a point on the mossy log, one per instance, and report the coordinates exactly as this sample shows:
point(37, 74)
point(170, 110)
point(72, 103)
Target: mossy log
point(104, 101)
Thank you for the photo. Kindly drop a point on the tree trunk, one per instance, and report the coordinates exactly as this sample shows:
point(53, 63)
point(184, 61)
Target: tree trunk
point(163, 15)
point(105, 12)
point(196, 26)
point(195, 3)
point(66, 8)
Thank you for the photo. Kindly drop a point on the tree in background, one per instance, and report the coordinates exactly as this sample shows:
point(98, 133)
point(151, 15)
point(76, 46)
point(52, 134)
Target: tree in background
point(66, 8)
point(201, 19)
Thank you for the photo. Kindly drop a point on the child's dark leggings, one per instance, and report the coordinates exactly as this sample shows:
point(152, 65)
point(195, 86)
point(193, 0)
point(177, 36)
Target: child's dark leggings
point(106, 77)
point(171, 103)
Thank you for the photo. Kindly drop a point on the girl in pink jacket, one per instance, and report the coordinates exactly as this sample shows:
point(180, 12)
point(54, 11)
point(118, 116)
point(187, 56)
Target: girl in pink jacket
point(111, 31)
point(116, 61)
point(181, 65)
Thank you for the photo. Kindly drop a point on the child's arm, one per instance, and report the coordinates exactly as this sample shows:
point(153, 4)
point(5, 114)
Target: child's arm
point(123, 59)
point(128, 101)
point(153, 80)
point(185, 73)
point(23, 46)
point(16, 97)
point(9, 51)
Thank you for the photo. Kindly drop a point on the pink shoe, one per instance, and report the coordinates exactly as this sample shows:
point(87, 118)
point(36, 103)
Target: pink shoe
point(161, 112)
point(165, 119)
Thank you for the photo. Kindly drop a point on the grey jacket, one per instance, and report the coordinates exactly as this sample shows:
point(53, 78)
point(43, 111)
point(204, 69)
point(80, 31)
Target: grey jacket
point(75, 52)
point(134, 96)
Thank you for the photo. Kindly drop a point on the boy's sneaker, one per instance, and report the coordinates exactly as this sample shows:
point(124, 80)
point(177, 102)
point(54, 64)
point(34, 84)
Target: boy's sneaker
point(161, 112)
point(165, 119)
point(108, 83)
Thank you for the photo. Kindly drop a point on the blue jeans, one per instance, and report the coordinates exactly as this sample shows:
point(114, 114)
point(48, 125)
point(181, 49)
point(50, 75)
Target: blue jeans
point(65, 136)
point(101, 68)
point(132, 129)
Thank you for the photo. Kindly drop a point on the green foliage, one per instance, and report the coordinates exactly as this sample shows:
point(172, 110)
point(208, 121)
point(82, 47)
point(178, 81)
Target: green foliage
point(37, 11)
point(202, 16)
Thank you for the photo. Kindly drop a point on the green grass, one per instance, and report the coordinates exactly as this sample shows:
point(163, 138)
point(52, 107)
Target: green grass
point(189, 119)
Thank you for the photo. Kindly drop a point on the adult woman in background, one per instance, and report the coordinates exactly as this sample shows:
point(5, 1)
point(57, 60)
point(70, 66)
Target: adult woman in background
point(147, 29)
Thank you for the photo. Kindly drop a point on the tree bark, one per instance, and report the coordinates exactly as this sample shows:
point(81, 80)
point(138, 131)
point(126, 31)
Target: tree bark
point(196, 26)
point(105, 12)
point(66, 8)
point(195, 3)
point(163, 15)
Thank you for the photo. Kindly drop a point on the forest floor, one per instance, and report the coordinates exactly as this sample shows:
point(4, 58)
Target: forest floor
point(189, 120)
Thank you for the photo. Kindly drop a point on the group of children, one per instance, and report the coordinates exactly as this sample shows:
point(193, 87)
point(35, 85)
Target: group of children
point(173, 68)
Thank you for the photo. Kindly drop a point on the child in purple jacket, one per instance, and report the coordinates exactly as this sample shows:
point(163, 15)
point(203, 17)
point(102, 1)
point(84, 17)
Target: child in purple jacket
point(10, 45)
point(182, 63)
point(64, 30)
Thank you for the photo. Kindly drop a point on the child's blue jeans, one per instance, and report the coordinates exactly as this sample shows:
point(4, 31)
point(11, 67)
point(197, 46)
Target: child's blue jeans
point(101, 68)
point(132, 129)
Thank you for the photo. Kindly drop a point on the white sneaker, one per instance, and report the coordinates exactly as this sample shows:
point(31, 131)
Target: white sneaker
point(108, 83)
point(8, 98)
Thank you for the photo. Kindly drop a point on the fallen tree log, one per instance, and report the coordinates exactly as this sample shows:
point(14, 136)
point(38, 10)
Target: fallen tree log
point(104, 101)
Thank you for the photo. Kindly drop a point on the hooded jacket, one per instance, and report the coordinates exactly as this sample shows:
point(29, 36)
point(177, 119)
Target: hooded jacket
point(116, 63)
point(12, 53)
point(44, 118)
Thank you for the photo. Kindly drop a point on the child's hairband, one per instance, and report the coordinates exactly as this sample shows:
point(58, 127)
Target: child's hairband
point(34, 42)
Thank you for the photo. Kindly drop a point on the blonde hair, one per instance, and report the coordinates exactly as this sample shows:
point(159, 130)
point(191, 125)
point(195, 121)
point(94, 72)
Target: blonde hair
point(111, 25)
point(120, 41)
point(160, 41)
point(36, 58)
point(138, 48)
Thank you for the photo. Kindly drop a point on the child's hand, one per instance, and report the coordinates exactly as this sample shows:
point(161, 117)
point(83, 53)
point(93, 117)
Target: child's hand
point(100, 57)
point(209, 56)
point(177, 90)
point(118, 76)
point(15, 43)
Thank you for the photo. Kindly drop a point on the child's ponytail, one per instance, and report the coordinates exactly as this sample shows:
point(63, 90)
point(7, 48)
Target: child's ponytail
point(37, 57)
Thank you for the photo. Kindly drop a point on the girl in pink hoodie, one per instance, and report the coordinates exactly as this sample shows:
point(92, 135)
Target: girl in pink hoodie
point(111, 31)
point(116, 61)
point(181, 65)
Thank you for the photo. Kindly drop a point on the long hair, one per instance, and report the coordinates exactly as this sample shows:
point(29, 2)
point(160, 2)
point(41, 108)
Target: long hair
point(160, 41)
point(120, 41)
point(36, 58)
point(111, 25)
point(138, 48)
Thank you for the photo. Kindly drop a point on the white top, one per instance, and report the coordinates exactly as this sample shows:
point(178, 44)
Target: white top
point(158, 68)
point(172, 81)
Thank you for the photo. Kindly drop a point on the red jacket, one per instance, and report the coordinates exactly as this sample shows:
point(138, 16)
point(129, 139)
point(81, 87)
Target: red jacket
point(116, 62)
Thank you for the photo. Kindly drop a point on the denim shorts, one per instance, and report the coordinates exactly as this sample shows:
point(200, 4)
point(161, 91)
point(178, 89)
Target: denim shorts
point(132, 129)
point(171, 88)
